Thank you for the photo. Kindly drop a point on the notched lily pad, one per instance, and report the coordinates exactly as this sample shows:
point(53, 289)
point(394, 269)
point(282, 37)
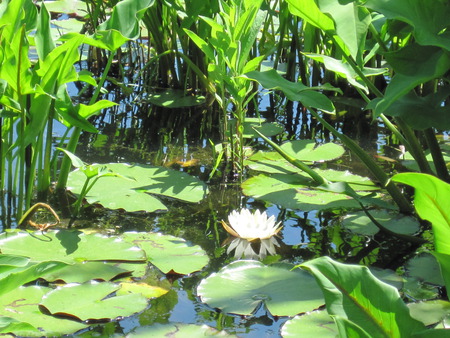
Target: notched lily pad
point(70, 246)
point(430, 312)
point(425, 268)
point(314, 324)
point(137, 194)
point(360, 223)
point(168, 253)
point(242, 286)
point(28, 320)
point(267, 128)
point(90, 301)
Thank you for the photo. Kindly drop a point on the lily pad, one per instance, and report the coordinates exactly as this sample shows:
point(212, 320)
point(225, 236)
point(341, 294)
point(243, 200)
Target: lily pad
point(22, 306)
point(174, 98)
point(431, 312)
point(310, 151)
point(68, 246)
point(90, 301)
point(168, 253)
point(425, 268)
point(136, 194)
point(267, 128)
point(316, 323)
point(174, 330)
point(242, 286)
point(360, 223)
point(148, 291)
point(290, 191)
point(84, 272)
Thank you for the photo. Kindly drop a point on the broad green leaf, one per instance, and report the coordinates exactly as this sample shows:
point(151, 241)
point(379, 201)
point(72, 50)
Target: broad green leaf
point(432, 203)
point(430, 312)
point(68, 246)
point(311, 13)
point(133, 195)
point(25, 275)
point(267, 128)
point(168, 253)
point(43, 38)
point(76, 161)
point(351, 21)
point(345, 70)
point(176, 330)
point(146, 290)
point(11, 325)
point(13, 260)
point(174, 98)
point(201, 44)
point(90, 301)
point(353, 293)
point(294, 91)
point(316, 323)
point(347, 328)
point(22, 305)
point(425, 268)
point(297, 192)
point(84, 272)
point(423, 112)
point(360, 223)
point(429, 18)
point(241, 286)
point(416, 64)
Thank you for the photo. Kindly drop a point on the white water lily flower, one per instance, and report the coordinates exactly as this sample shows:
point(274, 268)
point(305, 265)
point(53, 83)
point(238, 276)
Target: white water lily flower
point(248, 227)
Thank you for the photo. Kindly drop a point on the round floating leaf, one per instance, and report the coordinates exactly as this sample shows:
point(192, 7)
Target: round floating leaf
point(13, 260)
point(22, 305)
point(174, 98)
point(360, 223)
point(425, 268)
point(176, 330)
point(431, 312)
point(290, 192)
point(388, 276)
point(169, 253)
point(309, 151)
point(90, 301)
point(68, 246)
point(133, 194)
point(267, 128)
point(314, 324)
point(84, 272)
point(242, 286)
point(148, 291)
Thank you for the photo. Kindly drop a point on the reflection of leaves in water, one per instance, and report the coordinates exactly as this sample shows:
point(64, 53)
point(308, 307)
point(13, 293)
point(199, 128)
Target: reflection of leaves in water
point(160, 309)
point(69, 240)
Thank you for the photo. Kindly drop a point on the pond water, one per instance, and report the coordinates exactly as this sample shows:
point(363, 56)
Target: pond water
point(184, 146)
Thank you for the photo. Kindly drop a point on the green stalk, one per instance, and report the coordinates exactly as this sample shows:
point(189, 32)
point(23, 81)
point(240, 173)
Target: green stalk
point(370, 163)
point(73, 142)
point(436, 153)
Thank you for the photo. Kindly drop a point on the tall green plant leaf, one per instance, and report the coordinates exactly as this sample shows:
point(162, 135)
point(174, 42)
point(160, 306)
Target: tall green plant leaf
point(354, 294)
point(43, 38)
point(428, 17)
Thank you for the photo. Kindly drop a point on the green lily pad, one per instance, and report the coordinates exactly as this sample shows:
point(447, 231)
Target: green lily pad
point(242, 286)
point(425, 268)
point(388, 276)
point(22, 306)
point(84, 272)
point(174, 98)
point(168, 253)
point(360, 223)
point(136, 194)
point(68, 246)
point(90, 301)
point(13, 260)
point(174, 330)
point(431, 312)
point(267, 128)
point(316, 323)
point(309, 151)
point(148, 291)
point(290, 191)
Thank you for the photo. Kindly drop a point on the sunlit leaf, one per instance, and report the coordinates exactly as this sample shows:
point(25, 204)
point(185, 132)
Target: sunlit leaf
point(430, 312)
point(177, 330)
point(169, 253)
point(360, 223)
point(241, 286)
point(175, 98)
point(133, 195)
point(353, 293)
point(22, 305)
point(68, 246)
point(148, 291)
point(316, 323)
point(90, 301)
